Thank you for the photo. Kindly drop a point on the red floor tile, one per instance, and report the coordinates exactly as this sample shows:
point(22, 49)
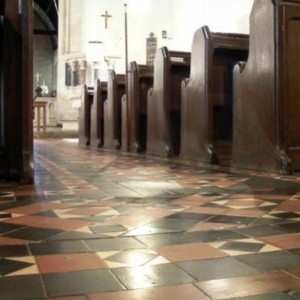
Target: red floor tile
point(189, 252)
point(69, 262)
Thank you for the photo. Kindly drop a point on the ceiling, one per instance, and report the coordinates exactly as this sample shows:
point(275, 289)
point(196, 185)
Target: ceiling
point(47, 12)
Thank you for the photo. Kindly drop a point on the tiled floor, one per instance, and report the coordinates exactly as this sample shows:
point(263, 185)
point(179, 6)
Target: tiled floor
point(112, 226)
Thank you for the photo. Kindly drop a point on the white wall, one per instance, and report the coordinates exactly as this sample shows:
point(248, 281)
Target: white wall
point(179, 18)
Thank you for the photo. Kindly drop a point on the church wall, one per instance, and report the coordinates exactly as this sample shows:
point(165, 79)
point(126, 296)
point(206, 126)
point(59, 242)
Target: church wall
point(45, 59)
point(180, 19)
point(71, 14)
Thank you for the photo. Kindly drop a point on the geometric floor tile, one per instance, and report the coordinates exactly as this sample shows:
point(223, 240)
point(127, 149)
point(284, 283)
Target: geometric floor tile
point(189, 252)
point(111, 225)
point(283, 241)
point(71, 262)
point(150, 276)
point(244, 246)
point(243, 286)
point(223, 267)
point(78, 283)
point(131, 258)
point(178, 292)
point(8, 266)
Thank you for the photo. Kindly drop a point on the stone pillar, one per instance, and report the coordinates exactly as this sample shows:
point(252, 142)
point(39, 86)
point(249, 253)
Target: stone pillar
point(82, 67)
point(75, 72)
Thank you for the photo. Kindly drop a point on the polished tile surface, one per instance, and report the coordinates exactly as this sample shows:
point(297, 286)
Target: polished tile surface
point(109, 225)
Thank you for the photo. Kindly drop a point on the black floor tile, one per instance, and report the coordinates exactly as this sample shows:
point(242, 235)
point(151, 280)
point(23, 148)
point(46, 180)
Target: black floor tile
point(232, 220)
point(171, 225)
point(5, 227)
point(8, 266)
point(29, 287)
point(78, 283)
point(259, 231)
point(33, 233)
point(58, 247)
point(294, 295)
point(289, 227)
point(273, 296)
point(225, 267)
point(242, 246)
point(131, 257)
point(75, 235)
point(185, 216)
point(215, 235)
point(149, 276)
point(111, 244)
point(167, 239)
point(271, 261)
point(107, 228)
point(13, 251)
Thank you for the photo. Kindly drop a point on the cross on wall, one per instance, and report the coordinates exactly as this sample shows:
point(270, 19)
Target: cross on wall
point(37, 76)
point(106, 16)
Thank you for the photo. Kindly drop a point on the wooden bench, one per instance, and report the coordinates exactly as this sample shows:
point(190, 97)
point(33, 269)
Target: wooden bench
point(206, 119)
point(266, 134)
point(164, 102)
point(16, 105)
point(87, 95)
point(134, 107)
point(97, 114)
point(112, 110)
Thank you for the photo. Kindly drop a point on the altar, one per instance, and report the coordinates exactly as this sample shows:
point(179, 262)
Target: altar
point(44, 112)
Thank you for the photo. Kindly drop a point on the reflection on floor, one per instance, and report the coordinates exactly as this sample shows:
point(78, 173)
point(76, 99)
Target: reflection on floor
point(108, 225)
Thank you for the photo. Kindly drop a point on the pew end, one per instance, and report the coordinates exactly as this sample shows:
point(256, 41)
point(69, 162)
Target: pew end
point(266, 133)
point(86, 101)
point(206, 113)
point(97, 114)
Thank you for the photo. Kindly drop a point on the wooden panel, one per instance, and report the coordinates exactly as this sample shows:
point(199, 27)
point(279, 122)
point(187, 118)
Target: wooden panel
point(87, 95)
point(163, 123)
point(291, 102)
point(97, 114)
point(140, 79)
point(266, 129)
point(16, 161)
point(112, 110)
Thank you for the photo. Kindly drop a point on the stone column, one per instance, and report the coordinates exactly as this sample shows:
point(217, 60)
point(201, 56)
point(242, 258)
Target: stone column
point(75, 72)
point(82, 67)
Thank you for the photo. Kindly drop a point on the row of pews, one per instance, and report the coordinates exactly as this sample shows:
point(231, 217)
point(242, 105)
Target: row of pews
point(233, 100)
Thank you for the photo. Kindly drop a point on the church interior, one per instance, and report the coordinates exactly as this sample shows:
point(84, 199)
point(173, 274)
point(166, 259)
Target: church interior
point(149, 150)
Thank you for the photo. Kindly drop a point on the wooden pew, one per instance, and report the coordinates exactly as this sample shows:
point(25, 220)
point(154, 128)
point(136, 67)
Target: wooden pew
point(112, 110)
point(134, 107)
point(266, 132)
point(97, 115)
point(163, 108)
point(87, 95)
point(206, 119)
point(16, 86)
